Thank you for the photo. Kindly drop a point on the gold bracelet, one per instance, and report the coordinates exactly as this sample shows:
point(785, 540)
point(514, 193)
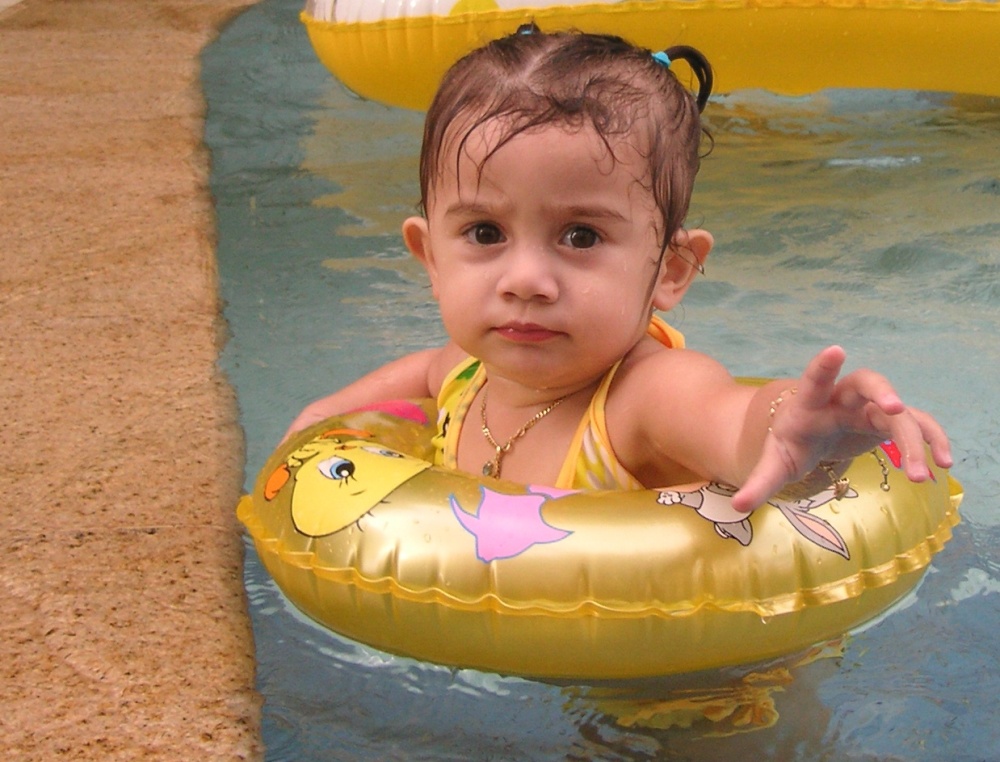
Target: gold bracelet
point(841, 484)
point(884, 486)
point(776, 402)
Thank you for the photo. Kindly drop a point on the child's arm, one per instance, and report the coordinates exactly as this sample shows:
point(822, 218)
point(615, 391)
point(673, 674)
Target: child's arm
point(416, 375)
point(697, 419)
point(819, 422)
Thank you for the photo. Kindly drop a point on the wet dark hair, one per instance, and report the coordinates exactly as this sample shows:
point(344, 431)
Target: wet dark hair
point(531, 79)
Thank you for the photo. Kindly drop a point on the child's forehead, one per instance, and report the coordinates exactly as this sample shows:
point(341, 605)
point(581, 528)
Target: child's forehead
point(571, 167)
point(470, 142)
point(473, 129)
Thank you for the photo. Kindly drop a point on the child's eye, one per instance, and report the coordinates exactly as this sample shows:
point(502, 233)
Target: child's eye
point(484, 234)
point(580, 237)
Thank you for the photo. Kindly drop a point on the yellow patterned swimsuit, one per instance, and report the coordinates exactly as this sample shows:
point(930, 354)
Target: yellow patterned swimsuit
point(590, 462)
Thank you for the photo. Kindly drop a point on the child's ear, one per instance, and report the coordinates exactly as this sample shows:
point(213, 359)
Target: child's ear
point(683, 261)
point(417, 237)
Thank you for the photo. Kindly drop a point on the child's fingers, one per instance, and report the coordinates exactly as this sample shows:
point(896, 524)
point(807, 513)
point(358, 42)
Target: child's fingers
point(771, 473)
point(756, 490)
point(862, 387)
point(838, 419)
point(905, 431)
point(750, 496)
point(936, 437)
point(819, 379)
point(912, 431)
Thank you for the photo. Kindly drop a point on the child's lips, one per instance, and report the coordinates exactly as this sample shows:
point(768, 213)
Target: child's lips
point(526, 332)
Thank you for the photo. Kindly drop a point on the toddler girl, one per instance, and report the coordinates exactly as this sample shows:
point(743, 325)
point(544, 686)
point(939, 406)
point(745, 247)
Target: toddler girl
point(555, 176)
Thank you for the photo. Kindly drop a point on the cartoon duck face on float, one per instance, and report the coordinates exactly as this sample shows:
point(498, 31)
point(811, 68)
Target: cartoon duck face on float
point(336, 481)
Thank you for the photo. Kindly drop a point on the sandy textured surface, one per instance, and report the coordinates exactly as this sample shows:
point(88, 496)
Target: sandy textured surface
point(123, 618)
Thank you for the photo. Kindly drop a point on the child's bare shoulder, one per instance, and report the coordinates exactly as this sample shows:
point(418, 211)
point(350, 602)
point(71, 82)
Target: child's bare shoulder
point(665, 405)
point(668, 382)
point(650, 363)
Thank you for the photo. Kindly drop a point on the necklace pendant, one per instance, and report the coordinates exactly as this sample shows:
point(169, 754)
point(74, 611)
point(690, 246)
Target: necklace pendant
point(491, 467)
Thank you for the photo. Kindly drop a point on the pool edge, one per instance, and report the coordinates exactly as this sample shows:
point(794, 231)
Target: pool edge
point(125, 623)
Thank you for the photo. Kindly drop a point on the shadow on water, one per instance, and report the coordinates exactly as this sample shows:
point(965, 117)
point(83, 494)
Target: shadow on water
point(866, 218)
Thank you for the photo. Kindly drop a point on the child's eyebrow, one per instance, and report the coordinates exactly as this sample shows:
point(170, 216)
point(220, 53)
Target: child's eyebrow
point(474, 208)
point(593, 212)
point(580, 211)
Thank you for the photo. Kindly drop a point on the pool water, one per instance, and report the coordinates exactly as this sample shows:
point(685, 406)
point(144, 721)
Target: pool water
point(870, 219)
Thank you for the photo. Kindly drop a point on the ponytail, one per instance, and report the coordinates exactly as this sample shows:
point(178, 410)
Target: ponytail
point(699, 65)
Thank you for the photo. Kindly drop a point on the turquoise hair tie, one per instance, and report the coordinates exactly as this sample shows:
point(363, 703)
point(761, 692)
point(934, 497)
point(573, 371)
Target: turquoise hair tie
point(662, 58)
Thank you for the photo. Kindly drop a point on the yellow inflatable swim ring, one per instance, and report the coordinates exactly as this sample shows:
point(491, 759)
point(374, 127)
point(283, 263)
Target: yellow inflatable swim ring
point(396, 52)
point(368, 538)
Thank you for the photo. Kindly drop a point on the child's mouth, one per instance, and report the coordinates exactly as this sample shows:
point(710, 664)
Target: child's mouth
point(526, 332)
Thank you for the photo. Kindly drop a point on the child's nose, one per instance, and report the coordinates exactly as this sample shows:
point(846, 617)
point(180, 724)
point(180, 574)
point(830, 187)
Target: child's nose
point(528, 273)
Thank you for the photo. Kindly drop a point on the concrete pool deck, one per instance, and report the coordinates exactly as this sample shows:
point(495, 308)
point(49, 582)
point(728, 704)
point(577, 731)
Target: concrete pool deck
point(125, 630)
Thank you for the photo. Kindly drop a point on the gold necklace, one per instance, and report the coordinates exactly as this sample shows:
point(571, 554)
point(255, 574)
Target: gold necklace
point(492, 466)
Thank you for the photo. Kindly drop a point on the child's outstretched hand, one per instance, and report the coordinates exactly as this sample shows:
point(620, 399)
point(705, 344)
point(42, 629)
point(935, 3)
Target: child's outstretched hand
point(826, 419)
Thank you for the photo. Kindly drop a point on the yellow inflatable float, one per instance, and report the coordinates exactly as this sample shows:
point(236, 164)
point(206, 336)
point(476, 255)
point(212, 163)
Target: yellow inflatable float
point(395, 52)
point(364, 535)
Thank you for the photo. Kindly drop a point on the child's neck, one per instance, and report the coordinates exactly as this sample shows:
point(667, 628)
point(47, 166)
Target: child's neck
point(533, 427)
point(513, 398)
